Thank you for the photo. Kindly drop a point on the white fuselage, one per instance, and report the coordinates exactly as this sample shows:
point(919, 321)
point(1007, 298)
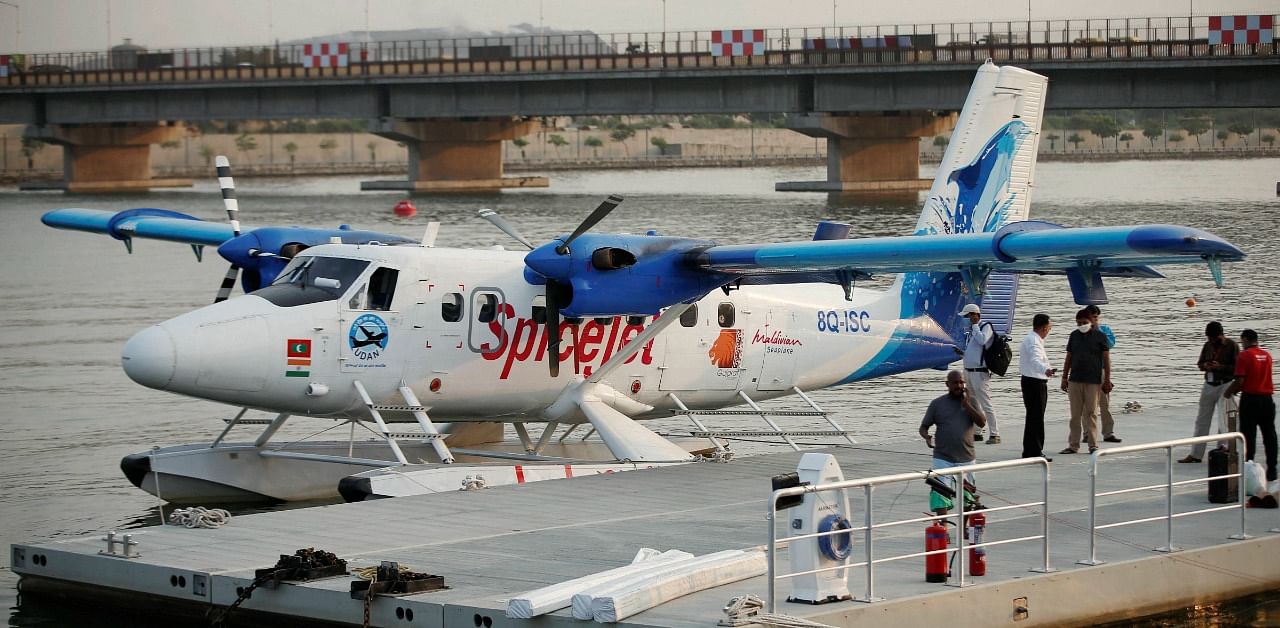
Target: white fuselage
point(490, 363)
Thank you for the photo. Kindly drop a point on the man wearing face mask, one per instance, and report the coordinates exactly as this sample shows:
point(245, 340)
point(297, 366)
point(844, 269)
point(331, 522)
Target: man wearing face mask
point(1086, 373)
point(1218, 361)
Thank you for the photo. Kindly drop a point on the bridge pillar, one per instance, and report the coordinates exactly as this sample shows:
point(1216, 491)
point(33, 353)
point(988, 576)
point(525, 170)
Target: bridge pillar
point(454, 155)
point(869, 153)
point(101, 158)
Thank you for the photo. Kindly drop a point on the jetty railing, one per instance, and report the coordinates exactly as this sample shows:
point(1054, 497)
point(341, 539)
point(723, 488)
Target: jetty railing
point(869, 525)
point(1168, 485)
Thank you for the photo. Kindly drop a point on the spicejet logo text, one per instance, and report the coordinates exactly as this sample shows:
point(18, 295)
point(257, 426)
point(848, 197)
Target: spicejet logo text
point(587, 345)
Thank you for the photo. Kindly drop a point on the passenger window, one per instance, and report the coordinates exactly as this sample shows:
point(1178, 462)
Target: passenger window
point(725, 315)
point(382, 289)
point(635, 321)
point(690, 316)
point(451, 307)
point(603, 320)
point(486, 307)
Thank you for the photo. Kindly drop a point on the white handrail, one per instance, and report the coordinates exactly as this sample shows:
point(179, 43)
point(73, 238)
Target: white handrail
point(1168, 485)
point(868, 484)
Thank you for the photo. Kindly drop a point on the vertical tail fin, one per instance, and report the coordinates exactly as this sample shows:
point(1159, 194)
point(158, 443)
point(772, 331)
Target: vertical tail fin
point(984, 182)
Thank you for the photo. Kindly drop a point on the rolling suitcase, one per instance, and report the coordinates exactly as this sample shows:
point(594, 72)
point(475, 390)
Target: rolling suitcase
point(1224, 462)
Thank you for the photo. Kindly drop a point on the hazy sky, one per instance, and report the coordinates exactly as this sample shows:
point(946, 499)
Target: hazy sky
point(78, 25)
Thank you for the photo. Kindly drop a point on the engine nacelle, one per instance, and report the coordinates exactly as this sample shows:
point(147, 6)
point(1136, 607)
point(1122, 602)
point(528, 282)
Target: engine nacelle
point(624, 275)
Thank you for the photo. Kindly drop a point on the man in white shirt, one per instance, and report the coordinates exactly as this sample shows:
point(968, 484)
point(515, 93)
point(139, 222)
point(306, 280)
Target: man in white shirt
point(1033, 364)
point(977, 377)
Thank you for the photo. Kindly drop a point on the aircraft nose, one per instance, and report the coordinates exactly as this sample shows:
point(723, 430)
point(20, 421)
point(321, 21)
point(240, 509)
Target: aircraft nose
point(150, 358)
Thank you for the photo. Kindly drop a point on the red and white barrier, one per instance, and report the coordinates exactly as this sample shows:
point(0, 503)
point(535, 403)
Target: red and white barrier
point(325, 55)
point(739, 43)
point(1241, 29)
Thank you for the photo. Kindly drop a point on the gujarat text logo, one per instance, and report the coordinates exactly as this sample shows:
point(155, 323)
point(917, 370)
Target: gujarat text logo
point(368, 337)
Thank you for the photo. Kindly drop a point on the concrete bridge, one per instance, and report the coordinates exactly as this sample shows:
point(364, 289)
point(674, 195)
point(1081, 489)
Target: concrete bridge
point(453, 102)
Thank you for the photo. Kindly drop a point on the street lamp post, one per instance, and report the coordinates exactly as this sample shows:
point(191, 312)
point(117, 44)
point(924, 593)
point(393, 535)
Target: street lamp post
point(17, 25)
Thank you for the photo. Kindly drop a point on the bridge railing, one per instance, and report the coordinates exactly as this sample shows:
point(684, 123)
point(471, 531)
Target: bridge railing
point(967, 42)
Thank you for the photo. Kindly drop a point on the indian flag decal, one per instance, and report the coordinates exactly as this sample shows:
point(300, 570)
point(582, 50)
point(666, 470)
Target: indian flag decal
point(299, 358)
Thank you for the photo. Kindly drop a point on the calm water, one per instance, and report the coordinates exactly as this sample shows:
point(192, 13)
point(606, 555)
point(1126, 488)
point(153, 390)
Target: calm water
point(68, 413)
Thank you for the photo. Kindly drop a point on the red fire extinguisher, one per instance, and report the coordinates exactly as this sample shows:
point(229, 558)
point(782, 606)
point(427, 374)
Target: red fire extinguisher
point(977, 555)
point(935, 565)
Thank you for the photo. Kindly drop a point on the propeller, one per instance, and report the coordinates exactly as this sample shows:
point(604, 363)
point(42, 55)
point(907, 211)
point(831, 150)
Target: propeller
point(595, 217)
point(499, 222)
point(228, 186)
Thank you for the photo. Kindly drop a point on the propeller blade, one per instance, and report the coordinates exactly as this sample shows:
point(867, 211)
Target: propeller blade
point(553, 328)
point(595, 217)
point(228, 186)
point(496, 219)
point(228, 282)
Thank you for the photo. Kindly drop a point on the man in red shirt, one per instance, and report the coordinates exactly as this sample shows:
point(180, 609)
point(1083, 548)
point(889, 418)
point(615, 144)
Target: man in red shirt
point(1257, 408)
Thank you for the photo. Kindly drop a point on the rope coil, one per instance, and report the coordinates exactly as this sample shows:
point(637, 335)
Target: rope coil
point(200, 517)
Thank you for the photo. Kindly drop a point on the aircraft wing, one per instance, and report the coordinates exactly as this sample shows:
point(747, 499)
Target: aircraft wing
point(147, 222)
point(1026, 247)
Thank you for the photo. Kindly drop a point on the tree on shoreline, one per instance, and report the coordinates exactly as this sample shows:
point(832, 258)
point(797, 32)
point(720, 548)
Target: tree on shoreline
point(1195, 127)
point(1151, 130)
point(595, 143)
point(520, 143)
point(1269, 140)
point(1242, 129)
point(1053, 140)
point(291, 148)
point(1075, 139)
point(556, 141)
point(621, 135)
point(660, 143)
point(244, 144)
point(1222, 136)
point(1126, 138)
point(207, 152)
point(1176, 138)
point(327, 145)
point(373, 151)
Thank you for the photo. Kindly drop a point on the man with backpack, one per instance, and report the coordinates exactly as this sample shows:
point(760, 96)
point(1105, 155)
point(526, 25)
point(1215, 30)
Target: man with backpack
point(1104, 398)
point(977, 375)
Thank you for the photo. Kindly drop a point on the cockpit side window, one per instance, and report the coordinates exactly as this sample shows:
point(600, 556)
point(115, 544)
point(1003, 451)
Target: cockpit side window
point(690, 316)
point(382, 289)
point(451, 307)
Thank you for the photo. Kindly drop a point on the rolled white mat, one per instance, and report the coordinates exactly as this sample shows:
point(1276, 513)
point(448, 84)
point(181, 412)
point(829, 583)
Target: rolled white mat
point(623, 603)
point(553, 597)
point(583, 600)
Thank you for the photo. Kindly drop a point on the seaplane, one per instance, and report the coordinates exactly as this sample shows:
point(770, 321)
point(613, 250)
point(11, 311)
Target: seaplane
point(604, 330)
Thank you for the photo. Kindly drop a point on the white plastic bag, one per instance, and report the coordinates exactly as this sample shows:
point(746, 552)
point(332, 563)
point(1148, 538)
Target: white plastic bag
point(1255, 479)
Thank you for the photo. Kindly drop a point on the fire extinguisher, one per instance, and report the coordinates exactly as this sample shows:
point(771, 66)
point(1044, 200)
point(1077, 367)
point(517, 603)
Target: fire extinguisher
point(935, 565)
point(977, 555)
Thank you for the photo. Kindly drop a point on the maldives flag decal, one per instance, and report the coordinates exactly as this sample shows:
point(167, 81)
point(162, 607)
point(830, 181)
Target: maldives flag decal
point(299, 358)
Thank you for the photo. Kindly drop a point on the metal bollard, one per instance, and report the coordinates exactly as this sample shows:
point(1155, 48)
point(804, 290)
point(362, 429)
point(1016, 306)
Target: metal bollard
point(111, 542)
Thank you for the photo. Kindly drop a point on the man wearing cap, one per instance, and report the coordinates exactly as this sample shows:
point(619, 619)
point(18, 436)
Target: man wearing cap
point(1218, 361)
point(1257, 407)
point(977, 377)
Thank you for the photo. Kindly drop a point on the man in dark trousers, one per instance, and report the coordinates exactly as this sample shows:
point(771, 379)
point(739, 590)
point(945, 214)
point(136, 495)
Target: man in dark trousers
point(1218, 361)
point(1086, 373)
point(1033, 365)
point(956, 416)
point(1257, 406)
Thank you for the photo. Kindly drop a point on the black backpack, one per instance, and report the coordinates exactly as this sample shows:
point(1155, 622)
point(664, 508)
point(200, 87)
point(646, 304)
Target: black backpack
point(997, 356)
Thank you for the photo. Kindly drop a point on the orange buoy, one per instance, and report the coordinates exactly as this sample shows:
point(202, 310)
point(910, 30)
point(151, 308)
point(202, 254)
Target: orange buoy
point(1191, 302)
point(405, 209)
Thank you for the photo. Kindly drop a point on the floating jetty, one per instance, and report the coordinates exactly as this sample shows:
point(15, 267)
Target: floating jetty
point(492, 544)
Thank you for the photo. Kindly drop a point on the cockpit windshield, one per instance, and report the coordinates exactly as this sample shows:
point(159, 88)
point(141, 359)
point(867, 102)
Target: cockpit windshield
point(312, 279)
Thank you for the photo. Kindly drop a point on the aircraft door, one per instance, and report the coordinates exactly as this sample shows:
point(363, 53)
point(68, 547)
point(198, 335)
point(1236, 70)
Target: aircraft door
point(704, 350)
point(780, 343)
point(375, 339)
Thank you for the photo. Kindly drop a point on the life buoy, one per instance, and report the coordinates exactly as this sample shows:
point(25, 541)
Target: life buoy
point(835, 546)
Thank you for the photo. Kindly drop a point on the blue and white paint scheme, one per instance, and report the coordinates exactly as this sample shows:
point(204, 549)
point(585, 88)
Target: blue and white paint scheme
point(477, 335)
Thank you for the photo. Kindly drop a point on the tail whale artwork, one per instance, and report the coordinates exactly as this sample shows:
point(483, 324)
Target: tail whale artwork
point(597, 328)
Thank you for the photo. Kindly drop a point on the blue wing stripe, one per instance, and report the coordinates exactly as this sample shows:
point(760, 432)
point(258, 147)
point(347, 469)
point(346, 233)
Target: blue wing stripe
point(1049, 249)
point(156, 224)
